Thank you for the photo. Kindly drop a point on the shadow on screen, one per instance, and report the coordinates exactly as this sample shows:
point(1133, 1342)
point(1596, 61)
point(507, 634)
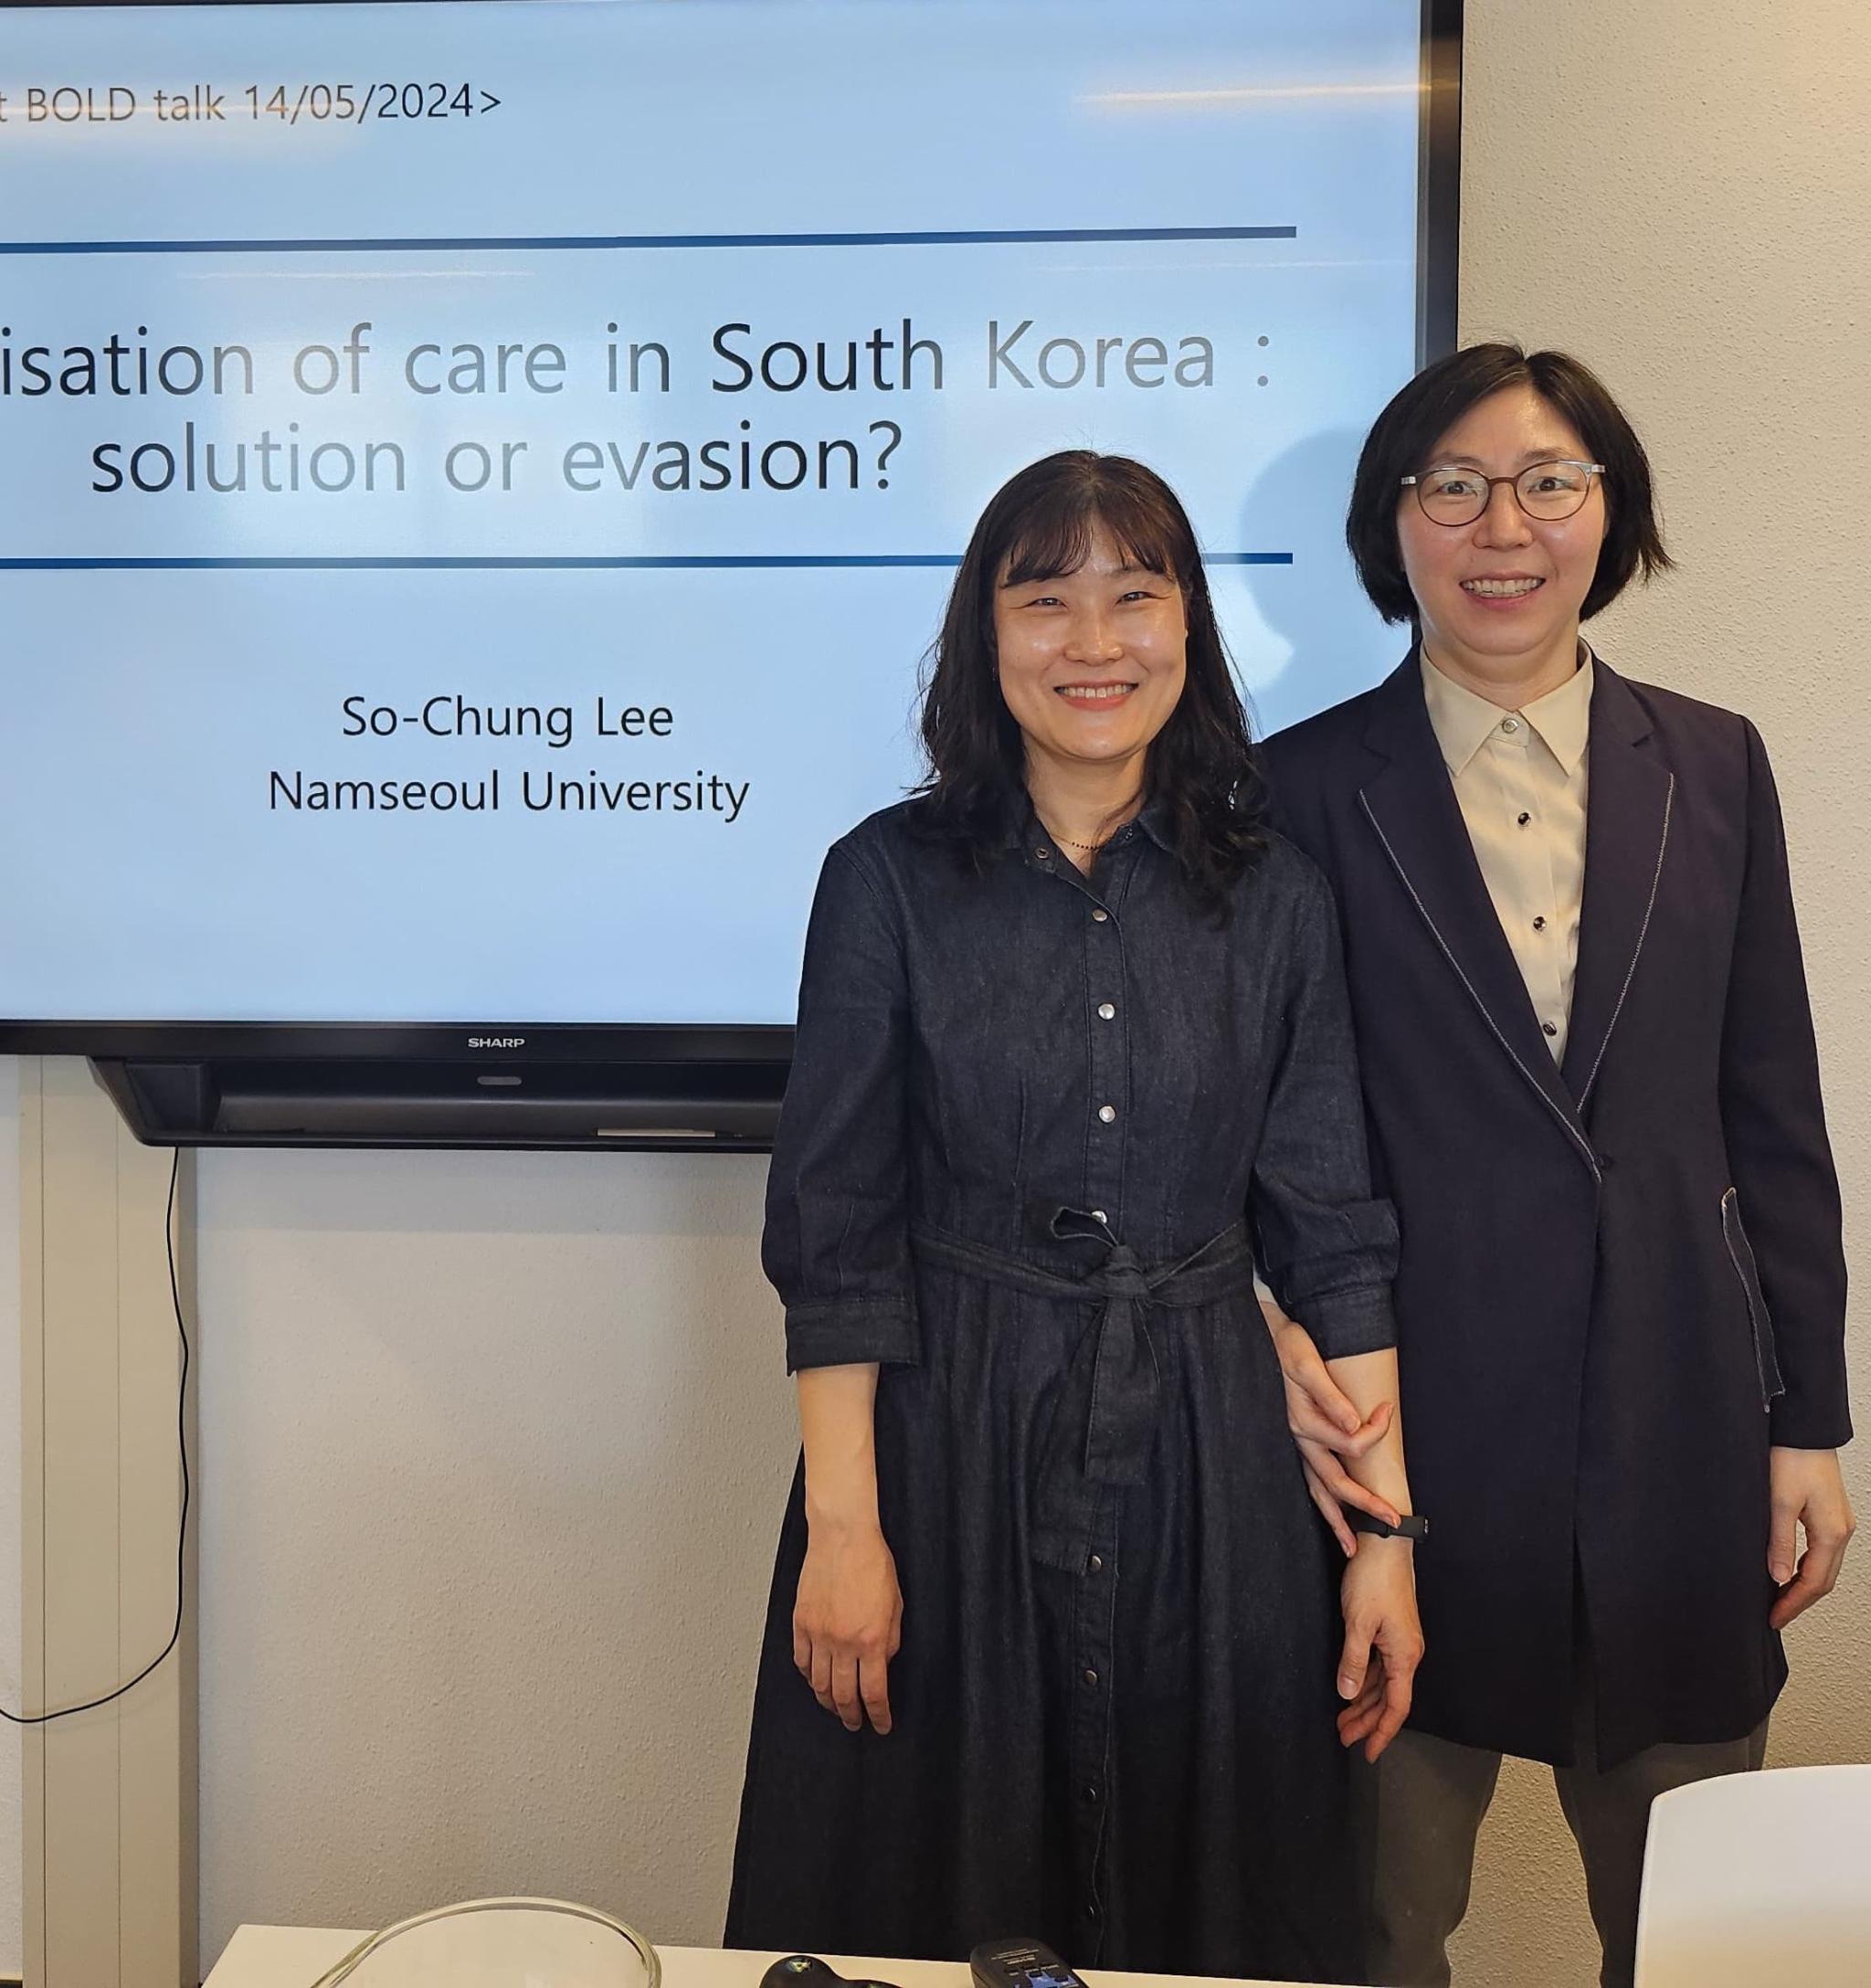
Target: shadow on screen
point(1339, 647)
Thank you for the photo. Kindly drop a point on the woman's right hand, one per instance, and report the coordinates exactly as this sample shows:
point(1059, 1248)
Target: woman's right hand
point(848, 1621)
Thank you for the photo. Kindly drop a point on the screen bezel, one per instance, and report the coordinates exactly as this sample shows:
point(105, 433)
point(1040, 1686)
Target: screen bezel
point(1439, 175)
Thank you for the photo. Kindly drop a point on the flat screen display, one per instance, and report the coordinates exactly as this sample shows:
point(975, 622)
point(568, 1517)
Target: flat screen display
point(477, 482)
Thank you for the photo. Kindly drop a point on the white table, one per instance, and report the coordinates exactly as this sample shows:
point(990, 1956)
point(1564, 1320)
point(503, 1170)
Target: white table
point(295, 1956)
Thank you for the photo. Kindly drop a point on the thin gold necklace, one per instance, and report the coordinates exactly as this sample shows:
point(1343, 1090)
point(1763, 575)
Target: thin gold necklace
point(1092, 848)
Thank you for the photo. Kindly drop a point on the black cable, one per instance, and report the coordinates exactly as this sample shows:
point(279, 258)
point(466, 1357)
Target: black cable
point(71, 1711)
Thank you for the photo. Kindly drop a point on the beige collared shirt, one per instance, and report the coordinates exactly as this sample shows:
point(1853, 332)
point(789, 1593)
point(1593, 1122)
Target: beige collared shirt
point(1519, 778)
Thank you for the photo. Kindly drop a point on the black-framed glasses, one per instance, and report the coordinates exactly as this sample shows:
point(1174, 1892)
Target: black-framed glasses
point(1547, 491)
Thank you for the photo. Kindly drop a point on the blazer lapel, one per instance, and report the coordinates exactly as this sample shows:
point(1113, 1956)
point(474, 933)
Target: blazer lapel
point(1412, 807)
point(1628, 801)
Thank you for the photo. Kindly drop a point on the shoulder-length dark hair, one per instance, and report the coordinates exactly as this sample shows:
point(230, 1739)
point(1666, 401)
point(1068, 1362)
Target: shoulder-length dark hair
point(1202, 770)
point(1407, 431)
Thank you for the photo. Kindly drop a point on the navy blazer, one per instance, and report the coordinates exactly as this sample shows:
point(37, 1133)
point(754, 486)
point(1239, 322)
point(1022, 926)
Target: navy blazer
point(1621, 1279)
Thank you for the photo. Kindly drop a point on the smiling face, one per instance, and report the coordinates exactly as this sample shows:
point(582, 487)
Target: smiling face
point(1498, 599)
point(1092, 662)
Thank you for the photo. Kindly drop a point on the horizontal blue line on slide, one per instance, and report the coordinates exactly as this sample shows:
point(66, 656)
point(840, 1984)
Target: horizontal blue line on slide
point(629, 562)
point(935, 240)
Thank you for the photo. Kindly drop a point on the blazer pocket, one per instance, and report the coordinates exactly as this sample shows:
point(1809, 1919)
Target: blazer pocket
point(1742, 1256)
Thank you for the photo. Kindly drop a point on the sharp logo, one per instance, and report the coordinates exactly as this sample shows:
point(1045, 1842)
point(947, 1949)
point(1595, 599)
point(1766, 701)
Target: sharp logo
point(496, 1041)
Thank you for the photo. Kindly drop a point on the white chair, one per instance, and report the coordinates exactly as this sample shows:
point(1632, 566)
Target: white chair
point(1759, 1881)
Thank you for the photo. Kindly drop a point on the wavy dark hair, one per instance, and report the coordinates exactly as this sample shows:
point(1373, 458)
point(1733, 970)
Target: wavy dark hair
point(1201, 766)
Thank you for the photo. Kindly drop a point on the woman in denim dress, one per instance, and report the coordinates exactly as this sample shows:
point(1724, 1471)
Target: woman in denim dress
point(1055, 1642)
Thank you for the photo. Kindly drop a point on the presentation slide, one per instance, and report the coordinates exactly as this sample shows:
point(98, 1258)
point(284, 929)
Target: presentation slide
point(477, 482)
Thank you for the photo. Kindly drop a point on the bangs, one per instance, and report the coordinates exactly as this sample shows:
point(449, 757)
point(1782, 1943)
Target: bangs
point(1055, 535)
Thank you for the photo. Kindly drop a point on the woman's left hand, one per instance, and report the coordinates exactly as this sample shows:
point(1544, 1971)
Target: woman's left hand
point(1808, 1493)
point(1383, 1643)
point(1326, 1427)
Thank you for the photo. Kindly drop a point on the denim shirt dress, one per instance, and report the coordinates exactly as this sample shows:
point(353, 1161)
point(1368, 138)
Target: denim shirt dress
point(1040, 1126)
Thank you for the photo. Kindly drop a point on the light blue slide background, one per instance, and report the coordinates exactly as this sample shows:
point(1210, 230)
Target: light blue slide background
point(144, 876)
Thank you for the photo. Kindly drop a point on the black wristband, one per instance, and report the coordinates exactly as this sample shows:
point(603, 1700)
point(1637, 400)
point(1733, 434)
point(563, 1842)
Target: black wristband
point(1411, 1526)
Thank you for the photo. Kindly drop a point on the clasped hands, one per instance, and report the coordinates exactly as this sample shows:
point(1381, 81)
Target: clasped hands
point(1806, 1487)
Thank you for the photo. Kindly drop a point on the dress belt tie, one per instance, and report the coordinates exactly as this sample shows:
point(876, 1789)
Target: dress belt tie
point(1101, 1429)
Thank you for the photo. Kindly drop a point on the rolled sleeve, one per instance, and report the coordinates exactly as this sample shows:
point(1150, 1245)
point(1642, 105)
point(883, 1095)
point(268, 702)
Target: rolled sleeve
point(835, 1243)
point(1326, 1244)
point(850, 1333)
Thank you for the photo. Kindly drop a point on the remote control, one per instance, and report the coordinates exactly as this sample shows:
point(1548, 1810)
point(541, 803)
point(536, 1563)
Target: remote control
point(1020, 1963)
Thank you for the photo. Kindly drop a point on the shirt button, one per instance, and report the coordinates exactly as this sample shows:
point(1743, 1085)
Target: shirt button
point(1540, 925)
point(1105, 1011)
point(1091, 1794)
point(1095, 1565)
point(1523, 820)
point(1091, 1676)
point(1549, 1028)
point(1099, 915)
point(1510, 724)
point(1043, 852)
point(1098, 1214)
point(1106, 1113)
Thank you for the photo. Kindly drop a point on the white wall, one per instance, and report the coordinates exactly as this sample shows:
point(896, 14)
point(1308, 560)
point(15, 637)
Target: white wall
point(494, 1446)
point(1677, 191)
point(494, 1450)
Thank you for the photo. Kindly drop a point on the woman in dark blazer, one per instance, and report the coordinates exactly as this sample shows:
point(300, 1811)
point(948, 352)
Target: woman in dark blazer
point(1590, 1071)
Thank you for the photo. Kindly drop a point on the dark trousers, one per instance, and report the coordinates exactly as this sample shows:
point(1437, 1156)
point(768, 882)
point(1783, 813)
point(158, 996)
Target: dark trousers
point(1420, 1810)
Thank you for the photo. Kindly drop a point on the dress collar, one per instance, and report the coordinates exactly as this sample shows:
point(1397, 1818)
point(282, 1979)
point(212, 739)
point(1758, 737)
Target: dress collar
point(1152, 819)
